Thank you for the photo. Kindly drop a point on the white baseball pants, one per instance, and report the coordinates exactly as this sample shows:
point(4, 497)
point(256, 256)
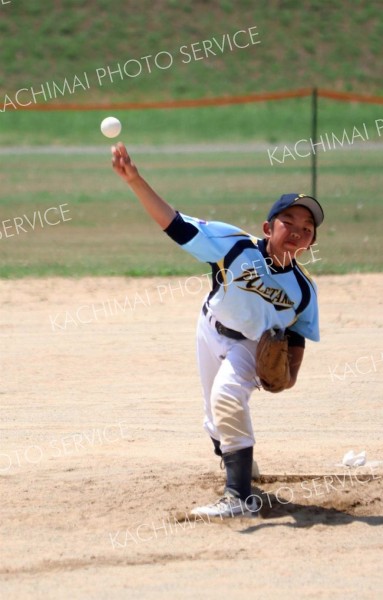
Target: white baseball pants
point(227, 371)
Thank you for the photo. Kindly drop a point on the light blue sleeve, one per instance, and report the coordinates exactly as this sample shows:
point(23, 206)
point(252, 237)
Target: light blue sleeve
point(213, 240)
point(308, 321)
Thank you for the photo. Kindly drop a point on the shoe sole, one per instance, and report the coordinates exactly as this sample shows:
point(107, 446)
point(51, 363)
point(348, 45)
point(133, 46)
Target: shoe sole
point(226, 515)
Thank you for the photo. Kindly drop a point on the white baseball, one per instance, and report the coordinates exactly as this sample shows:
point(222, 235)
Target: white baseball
point(111, 127)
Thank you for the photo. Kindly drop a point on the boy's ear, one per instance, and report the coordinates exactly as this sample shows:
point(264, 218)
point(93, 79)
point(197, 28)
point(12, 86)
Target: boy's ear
point(266, 228)
point(312, 241)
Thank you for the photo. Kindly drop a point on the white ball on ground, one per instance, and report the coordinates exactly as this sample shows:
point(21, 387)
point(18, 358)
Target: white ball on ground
point(111, 127)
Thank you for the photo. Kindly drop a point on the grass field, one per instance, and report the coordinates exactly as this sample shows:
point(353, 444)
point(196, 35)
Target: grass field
point(109, 234)
point(325, 43)
point(314, 43)
point(274, 121)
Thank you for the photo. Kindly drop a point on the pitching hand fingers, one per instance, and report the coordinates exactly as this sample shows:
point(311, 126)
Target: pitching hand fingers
point(116, 157)
point(123, 151)
point(122, 163)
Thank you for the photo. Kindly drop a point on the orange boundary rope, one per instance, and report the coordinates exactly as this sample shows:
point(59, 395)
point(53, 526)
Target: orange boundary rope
point(222, 101)
point(349, 97)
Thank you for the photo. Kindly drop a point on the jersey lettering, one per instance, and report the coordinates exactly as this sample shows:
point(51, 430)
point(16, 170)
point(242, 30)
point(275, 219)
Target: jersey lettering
point(254, 283)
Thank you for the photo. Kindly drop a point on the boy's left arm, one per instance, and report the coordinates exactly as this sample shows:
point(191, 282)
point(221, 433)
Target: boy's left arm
point(307, 326)
point(295, 354)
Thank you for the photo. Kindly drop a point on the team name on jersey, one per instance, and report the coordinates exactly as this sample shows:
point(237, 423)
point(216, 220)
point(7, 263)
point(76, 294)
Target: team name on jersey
point(254, 283)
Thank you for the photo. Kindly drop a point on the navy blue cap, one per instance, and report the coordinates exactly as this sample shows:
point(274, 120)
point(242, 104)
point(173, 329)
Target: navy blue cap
point(308, 202)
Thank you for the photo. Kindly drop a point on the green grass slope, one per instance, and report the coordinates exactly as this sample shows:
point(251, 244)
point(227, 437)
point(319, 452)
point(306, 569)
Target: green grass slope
point(333, 44)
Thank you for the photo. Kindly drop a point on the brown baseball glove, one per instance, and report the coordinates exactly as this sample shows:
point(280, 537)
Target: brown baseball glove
point(272, 361)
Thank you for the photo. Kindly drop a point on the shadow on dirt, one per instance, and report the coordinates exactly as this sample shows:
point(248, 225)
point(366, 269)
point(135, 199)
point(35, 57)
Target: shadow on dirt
point(339, 509)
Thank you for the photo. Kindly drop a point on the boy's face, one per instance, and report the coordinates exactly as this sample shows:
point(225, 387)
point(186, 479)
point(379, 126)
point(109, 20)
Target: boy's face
point(290, 234)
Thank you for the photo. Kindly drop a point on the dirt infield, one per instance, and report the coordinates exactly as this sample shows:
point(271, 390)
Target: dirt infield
point(103, 454)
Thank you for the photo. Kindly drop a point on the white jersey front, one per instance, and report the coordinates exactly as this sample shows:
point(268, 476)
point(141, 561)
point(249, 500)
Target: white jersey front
point(249, 293)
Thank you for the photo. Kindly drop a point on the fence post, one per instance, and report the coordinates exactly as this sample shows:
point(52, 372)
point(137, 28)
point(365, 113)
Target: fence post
point(314, 134)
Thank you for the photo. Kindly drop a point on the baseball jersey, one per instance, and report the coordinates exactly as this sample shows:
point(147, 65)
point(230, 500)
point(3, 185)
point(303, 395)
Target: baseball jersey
point(249, 293)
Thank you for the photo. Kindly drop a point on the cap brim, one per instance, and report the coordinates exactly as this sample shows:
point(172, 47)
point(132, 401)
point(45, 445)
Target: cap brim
point(313, 206)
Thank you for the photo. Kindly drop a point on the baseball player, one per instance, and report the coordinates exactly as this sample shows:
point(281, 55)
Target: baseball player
point(257, 286)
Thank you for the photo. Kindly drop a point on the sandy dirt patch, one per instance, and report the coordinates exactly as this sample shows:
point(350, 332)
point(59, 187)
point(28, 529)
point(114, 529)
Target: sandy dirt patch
point(103, 453)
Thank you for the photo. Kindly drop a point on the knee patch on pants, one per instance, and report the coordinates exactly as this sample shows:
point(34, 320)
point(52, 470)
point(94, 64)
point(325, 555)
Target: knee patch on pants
point(232, 420)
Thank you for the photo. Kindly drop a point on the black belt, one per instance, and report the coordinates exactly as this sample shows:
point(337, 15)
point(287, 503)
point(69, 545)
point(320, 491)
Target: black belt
point(230, 333)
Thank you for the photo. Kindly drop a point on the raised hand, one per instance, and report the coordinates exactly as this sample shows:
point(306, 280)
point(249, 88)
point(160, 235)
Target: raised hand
point(123, 164)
